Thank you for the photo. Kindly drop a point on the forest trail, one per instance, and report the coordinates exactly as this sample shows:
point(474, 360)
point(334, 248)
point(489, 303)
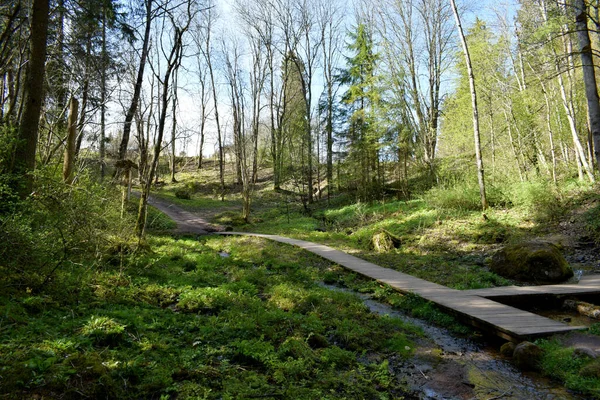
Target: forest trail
point(471, 306)
point(187, 221)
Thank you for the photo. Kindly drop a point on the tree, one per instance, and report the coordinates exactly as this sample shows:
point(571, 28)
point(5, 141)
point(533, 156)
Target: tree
point(476, 134)
point(138, 82)
point(69, 158)
point(330, 24)
point(416, 41)
point(25, 152)
point(589, 76)
point(362, 100)
point(180, 24)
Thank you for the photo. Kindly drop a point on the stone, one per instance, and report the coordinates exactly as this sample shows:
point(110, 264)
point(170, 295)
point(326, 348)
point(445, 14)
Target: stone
point(527, 356)
point(385, 241)
point(585, 352)
point(536, 262)
point(508, 349)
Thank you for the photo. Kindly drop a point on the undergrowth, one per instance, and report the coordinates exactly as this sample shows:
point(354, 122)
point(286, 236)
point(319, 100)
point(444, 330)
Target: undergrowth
point(219, 318)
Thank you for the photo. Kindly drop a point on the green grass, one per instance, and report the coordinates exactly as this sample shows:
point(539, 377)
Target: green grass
point(576, 372)
point(184, 321)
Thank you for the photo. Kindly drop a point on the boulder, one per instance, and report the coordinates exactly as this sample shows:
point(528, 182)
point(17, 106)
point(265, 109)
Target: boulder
point(385, 241)
point(507, 349)
point(527, 356)
point(536, 261)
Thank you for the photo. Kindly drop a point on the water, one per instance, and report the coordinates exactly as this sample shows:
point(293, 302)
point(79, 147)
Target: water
point(447, 367)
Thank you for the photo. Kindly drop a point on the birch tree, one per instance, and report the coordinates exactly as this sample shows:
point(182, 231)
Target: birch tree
point(476, 133)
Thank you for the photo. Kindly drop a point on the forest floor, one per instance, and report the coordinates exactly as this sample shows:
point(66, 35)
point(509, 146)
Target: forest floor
point(193, 315)
point(446, 247)
point(443, 365)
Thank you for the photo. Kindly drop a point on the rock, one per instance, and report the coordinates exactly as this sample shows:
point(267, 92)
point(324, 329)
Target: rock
point(527, 356)
point(585, 352)
point(508, 349)
point(385, 241)
point(535, 261)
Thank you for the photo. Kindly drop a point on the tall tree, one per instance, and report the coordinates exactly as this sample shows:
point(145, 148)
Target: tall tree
point(362, 99)
point(25, 152)
point(589, 76)
point(138, 82)
point(180, 21)
point(476, 133)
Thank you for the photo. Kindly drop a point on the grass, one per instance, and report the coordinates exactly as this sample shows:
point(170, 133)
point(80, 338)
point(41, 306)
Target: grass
point(577, 372)
point(184, 321)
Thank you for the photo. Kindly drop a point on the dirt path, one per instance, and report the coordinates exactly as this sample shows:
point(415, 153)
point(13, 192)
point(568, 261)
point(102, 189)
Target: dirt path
point(187, 222)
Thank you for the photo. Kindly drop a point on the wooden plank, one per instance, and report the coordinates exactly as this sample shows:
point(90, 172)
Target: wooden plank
point(472, 305)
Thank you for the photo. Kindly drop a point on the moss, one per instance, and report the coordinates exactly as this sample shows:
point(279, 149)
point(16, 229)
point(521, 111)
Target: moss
point(535, 261)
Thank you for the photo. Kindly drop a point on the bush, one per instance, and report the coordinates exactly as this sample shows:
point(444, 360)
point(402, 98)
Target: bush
point(461, 195)
point(540, 199)
point(62, 224)
point(183, 194)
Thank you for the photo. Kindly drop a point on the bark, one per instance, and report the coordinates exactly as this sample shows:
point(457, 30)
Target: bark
point(69, 160)
point(138, 84)
point(174, 127)
point(25, 151)
point(589, 76)
point(103, 66)
point(215, 100)
point(476, 134)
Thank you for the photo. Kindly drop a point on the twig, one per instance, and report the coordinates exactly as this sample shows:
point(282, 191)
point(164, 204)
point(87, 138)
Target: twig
point(422, 373)
point(499, 396)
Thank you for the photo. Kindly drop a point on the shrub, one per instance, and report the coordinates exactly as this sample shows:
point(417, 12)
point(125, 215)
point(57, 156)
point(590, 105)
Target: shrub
point(63, 224)
point(539, 199)
point(183, 194)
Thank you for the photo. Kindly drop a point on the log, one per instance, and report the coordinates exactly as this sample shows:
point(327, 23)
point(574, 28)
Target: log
point(583, 308)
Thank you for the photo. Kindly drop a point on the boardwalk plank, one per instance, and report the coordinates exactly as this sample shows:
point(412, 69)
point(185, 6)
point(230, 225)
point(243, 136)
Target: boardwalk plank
point(474, 306)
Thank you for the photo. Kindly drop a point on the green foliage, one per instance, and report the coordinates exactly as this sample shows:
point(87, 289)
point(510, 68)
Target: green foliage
point(60, 225)
point(250, 324)
point(539, 199)
point(575, 372)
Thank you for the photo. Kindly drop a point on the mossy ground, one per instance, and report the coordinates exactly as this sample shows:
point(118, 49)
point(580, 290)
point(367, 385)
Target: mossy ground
point(215, 318)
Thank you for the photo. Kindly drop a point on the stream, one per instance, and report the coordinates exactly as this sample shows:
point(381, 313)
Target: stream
point(447, 367)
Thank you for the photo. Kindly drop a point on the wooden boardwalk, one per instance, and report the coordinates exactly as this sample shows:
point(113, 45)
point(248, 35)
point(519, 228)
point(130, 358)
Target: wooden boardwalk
point(473, 306)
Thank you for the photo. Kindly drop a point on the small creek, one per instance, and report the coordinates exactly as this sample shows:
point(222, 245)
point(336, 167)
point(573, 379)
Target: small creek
point(447, 367)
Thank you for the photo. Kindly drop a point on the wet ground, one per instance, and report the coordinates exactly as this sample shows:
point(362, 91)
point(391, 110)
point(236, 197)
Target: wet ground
point(447, 367)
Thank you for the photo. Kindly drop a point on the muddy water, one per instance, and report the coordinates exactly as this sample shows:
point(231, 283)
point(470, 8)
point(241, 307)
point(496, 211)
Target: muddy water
point(447, 367)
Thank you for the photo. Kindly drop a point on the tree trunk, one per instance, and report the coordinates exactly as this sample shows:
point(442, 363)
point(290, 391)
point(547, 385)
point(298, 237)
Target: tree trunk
point(138, 84)
point(103, 66)
point(33, 98)
point(174, 129)
point(69, 159)
point(589, 76)
point(476, 134)
point(214, 92)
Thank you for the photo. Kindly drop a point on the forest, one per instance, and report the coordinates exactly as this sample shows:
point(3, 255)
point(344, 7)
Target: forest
point(420, 135)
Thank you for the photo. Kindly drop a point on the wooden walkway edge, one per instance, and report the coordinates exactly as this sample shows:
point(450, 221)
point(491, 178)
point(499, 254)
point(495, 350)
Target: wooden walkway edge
point(475, 307)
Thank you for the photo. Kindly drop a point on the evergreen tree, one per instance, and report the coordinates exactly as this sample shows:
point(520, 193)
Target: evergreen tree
point(362, 100)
